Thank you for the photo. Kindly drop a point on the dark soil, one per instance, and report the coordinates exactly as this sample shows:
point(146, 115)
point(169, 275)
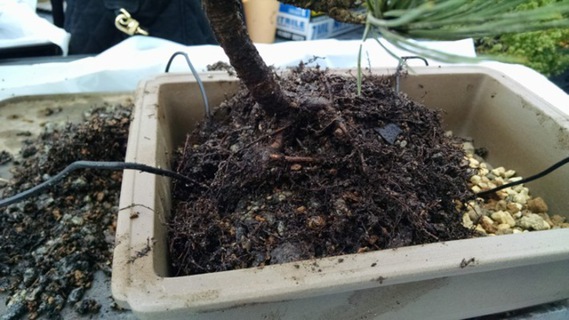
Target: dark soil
point(52, 244)
point(339, 174)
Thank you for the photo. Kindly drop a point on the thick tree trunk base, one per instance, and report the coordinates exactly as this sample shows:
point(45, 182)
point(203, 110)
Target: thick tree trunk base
point(228, 24)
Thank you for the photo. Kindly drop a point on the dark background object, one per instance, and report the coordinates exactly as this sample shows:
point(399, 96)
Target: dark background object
point(92, 28)
point(27, 51)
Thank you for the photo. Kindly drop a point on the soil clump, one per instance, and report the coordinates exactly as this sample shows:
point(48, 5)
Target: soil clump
point(341, 173)
point(53, 243)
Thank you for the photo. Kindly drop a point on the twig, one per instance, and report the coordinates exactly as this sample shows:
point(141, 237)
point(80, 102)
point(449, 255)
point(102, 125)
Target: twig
point(275, 156)
point(265, 136)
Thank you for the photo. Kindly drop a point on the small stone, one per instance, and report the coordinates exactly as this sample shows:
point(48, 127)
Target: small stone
point(466, 221)
point(58, 302)
point(475, 179)
point(504, 230)
point(489, 205)
point(34, 294)
point(509, 173)
point(513, 207)
point(498, 181)
point(281, 227)
point(295, 167)
point(316, 222)
point(547, 219)
point(78, 275)
point(503, 226)
point(301, 209)
point(79, 183)
point(341, 208)
point(480, 230)
point(504, 217)
point(473, 163)
point(515, 179)
point(77, 221)
point(500, 171)
point(474, 215)
point(475, 189)
point(534, 222)
point(521, 198)
point(483, 171)
point(468, 148)
point(247, 245)
point(488, 224)
point(537, 205)
point(285, 252)
point(29, 276)
point(519, 189)
point(558, 220)
point(76, 294)
point(501, 205)
point(502, 194)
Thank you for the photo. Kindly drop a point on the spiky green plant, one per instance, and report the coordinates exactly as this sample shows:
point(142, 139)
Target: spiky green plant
point(399, 22)
point(545, 51)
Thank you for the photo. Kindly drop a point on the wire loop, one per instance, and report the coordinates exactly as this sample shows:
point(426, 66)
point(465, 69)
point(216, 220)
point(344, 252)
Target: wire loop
point(196, 75)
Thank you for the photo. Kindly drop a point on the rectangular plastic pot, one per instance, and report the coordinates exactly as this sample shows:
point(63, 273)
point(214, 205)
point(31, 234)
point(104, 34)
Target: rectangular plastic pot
point(451, 280)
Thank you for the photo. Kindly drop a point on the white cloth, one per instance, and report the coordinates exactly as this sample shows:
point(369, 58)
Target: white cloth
point(20, 26)
point(122, 67)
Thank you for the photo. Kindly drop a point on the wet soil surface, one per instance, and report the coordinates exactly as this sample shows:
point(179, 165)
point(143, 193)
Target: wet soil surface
point(54, 243)
point(339, 174)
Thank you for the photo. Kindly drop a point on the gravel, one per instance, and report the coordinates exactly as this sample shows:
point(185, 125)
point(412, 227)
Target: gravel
point(515, 210)
point(53, 244)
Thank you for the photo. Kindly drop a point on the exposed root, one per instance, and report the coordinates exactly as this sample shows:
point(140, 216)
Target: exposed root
point(275, 156)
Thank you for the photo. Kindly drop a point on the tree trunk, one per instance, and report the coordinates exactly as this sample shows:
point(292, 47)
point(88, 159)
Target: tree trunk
point(226, 19)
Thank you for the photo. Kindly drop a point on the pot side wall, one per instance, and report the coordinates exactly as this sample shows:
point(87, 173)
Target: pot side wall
point(508, 272)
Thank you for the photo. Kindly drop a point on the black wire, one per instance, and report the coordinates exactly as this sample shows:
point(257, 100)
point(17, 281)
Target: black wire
point(103, 165)
point(196, 75)
point(526, 180)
